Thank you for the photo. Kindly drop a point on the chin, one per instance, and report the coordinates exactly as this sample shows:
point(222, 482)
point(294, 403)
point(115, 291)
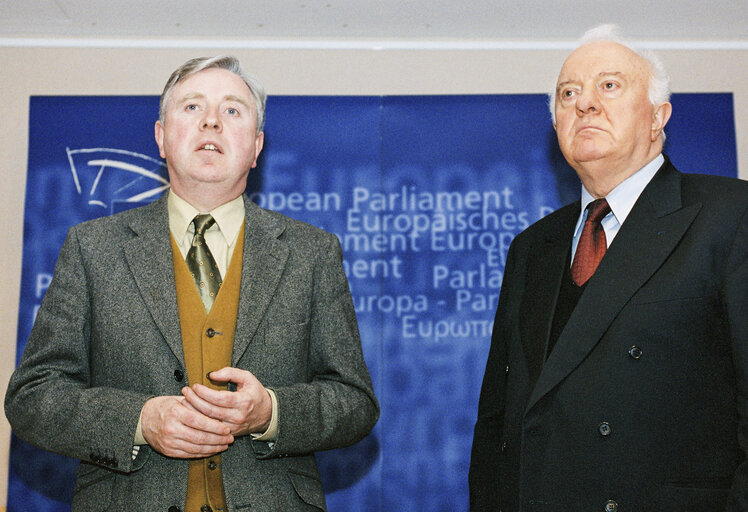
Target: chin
point(211, 177)
point(589, 153)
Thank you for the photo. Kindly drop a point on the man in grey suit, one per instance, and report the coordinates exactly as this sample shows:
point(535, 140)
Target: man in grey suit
point(617, 377)
point(196, 352)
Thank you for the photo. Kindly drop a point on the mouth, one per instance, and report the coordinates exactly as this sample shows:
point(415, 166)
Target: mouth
point(209, 146)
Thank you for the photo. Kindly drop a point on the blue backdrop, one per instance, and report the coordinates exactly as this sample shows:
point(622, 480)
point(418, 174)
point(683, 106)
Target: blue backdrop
point(425, 194)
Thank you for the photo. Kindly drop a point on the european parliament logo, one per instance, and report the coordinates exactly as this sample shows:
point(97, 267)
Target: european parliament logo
point(116, 179)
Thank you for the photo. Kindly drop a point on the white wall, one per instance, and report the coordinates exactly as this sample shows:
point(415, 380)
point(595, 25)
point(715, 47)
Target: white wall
point(78, 71)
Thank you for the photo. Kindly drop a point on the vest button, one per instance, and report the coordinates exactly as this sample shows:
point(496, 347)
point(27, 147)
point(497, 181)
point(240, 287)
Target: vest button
point(212, 465)
point(178, 375)
point(210, 332)
point(206, 508)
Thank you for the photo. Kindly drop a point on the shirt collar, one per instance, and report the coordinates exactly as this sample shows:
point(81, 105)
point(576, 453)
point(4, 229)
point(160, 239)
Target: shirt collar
point(622, 198)
point(229, 217)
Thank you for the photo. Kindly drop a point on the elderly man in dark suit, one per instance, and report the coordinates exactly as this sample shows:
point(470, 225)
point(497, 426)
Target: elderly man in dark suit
point(616, 378)
point(196, 352)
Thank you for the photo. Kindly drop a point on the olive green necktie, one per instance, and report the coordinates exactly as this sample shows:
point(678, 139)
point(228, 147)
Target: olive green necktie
point(201, 263)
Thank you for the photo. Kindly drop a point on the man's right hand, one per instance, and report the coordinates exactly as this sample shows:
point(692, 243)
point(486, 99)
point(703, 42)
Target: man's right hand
point(171, 426)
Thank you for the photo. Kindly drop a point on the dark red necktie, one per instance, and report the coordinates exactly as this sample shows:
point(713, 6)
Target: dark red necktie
point(592, 243)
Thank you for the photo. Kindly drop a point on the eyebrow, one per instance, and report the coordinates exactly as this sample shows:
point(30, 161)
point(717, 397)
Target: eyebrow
point(190, 96)
point(237, 99)
point(610, 73)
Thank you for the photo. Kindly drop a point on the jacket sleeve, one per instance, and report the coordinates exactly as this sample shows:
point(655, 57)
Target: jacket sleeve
point(335, 406)
point(735, 290)
point(485, 457)
point(50, 402)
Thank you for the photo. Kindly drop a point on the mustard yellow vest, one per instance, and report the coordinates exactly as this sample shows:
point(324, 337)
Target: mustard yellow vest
point(208, 341)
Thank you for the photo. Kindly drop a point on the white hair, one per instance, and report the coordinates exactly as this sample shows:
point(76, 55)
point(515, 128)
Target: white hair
point(659, 81)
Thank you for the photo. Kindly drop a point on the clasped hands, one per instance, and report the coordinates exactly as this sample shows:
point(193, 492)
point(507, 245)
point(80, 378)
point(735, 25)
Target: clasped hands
point(204, 421)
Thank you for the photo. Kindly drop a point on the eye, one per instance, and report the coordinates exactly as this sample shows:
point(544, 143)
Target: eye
point(232, 111)
point(566, 94)
point(191, 106)
point(610, 86)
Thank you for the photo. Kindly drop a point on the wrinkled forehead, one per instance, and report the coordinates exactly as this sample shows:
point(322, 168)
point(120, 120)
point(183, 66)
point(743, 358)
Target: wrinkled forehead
point(603, 57)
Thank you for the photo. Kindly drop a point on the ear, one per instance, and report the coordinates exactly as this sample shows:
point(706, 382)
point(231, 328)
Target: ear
point(158, 130)
point(259, 142)
point(660, 118)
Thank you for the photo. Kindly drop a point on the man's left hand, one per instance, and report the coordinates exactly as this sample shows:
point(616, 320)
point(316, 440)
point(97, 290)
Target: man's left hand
point(246, 410)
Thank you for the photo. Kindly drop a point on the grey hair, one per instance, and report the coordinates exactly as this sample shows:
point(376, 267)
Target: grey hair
point(659, 81)
point(227, 62)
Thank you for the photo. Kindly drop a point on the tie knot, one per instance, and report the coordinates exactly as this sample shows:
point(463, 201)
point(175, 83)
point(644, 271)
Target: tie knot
point(202, 223)
point(597, 210)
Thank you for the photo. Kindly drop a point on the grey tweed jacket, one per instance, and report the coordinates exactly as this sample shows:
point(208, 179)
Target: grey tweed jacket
point(107, 338)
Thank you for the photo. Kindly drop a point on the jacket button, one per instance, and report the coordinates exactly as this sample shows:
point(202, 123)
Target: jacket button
point(635, 352)
point(611, 506)
point(178, 376)
point(506, 370)
point(604, 429)
point(210, 332)
point(503, 446)
point(174, 509)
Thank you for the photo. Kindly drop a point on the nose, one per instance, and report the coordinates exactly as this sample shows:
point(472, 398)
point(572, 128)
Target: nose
point(587, 103)
point(211, 120)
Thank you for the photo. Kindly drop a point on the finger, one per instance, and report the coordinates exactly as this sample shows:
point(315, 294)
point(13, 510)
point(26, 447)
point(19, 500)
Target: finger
point(193, 417)
point(173, 428)
point(185, 450)
point(214, 397)
point(234, 409)
point(228, 409)
point(236, 375)
point(201, 401)
point(201, 438)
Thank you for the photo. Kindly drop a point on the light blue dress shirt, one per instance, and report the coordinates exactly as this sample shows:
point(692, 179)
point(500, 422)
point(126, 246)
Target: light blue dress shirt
point(621, 200)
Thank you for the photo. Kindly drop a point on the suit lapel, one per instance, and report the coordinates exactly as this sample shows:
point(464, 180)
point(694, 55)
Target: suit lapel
point(149, 257)
point(265, 257)
point(545, 269)
point(648, 236)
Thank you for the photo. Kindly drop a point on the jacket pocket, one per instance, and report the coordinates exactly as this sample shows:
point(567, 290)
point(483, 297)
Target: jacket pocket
point(692, 496)
point(309, 489)
point(93, 488)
